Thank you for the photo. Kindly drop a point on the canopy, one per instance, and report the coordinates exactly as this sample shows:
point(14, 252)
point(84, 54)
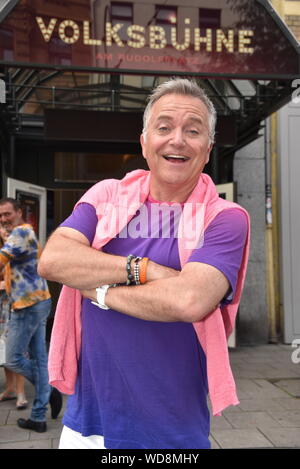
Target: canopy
point(239, 50)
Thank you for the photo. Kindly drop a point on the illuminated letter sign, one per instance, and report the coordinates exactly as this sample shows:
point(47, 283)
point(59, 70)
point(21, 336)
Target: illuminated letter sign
point(235, 37)
point(46, 31)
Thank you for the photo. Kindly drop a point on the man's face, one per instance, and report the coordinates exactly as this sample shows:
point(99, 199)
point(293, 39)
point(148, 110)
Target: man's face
point(177, 144)
point(9, 217)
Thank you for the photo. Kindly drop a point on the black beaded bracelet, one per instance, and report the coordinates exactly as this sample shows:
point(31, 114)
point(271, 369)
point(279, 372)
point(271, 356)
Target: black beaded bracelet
point(130, 277)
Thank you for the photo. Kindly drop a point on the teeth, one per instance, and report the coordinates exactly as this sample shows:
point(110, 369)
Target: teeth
point(178, 157)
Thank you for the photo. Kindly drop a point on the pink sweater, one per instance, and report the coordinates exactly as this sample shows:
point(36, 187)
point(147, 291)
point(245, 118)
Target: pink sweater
point(116, 202)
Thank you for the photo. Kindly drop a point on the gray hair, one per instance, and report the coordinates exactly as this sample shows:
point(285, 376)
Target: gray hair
point(186, 87)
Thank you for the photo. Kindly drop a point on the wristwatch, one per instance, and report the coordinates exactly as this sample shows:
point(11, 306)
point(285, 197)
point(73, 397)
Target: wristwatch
point(101, 293)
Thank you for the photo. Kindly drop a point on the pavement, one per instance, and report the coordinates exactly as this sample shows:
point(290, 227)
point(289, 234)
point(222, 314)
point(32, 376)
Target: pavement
point(268, 416)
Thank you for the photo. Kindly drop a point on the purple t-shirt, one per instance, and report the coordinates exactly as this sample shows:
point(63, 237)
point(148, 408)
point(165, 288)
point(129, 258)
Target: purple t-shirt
point(143, 384)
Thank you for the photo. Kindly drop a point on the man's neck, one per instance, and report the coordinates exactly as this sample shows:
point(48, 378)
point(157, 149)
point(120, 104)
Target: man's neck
point(170, 193)
point(20, 222)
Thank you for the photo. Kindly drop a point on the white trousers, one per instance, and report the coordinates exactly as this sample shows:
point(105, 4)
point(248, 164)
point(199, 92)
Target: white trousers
point(70, 439)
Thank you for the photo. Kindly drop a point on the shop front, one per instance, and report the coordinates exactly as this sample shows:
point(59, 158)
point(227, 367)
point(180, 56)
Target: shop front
point(77, 74)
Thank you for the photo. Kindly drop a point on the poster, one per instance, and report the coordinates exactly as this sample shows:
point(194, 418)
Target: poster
point(30, 204)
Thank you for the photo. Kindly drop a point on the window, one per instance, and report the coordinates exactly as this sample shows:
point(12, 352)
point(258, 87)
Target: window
point(166, 16)
point(209, 18)
point(6, 45)
point(60, 53)
point(121, 13)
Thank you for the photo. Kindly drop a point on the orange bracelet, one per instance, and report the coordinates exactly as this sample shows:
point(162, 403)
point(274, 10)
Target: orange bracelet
point(143, 270)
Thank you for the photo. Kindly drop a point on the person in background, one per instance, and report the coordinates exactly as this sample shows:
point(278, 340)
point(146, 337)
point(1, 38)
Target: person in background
point(14, 382)
point(26, 351)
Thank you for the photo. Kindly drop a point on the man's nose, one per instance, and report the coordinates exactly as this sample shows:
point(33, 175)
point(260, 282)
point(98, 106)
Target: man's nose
point(177, 138)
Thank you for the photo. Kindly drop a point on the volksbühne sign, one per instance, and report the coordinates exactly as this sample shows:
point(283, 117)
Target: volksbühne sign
point(69, 31)
point(230, 37)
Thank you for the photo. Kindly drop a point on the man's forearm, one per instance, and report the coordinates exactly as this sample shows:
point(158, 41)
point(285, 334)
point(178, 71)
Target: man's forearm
point(189, 296)
point(163, 300)
point(82, 267)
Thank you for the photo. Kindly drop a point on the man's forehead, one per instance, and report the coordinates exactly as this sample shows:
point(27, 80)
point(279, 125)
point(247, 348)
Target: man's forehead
point(7, 207)
point(171, 116)
point(170, 104)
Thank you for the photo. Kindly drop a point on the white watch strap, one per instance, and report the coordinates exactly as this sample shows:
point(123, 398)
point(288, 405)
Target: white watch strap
point(101, 293)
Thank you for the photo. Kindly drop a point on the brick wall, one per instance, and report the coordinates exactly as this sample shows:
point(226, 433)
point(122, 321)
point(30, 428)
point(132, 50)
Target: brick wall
point(293, 22)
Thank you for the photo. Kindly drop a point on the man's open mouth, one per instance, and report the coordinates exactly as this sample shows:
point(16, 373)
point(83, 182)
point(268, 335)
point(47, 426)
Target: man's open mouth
point(176, 158)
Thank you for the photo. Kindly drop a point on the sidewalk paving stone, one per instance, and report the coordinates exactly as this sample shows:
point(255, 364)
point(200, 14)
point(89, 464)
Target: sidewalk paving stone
point(241, 438)
point(289, 403)
point(220, 423)
point(3, 416)
point(11, 433)
point(291, 386)
point(262, 404)
point(39, 444)
point(258, 420)
point(258, 388)
point(284, 437)
point(288, 419)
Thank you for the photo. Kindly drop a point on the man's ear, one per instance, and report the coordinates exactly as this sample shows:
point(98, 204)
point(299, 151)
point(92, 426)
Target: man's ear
point(208, 152)
point(20, 214)
point(143, 145)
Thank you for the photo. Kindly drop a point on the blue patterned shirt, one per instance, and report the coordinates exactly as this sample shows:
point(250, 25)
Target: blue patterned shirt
point(21, 250)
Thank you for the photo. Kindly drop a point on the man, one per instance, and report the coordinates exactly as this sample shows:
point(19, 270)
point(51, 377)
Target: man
point(157, 291)
point(26, 351)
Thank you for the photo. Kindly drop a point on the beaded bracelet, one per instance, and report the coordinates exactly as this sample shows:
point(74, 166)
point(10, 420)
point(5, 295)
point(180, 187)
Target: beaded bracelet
point(139, 275)
point(137, 270)
point(130, 277)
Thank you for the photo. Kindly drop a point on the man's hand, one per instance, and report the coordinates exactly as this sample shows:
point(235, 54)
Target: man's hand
point(3, 233)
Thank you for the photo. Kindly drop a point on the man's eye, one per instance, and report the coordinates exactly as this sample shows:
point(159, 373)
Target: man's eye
point(163, 128)
point(193, 131)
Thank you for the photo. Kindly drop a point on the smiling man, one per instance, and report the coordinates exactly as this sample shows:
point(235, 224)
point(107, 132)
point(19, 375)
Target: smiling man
point(148, 341)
